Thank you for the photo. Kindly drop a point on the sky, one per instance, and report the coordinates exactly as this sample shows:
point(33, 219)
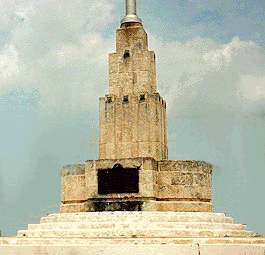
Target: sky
point(54, 67)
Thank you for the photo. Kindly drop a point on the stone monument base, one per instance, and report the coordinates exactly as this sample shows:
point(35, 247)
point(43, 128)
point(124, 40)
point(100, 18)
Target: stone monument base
point(137, 184)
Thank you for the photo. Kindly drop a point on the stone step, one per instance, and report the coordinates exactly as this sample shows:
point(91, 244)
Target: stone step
point(134, 233)
point(6, 241)
point(132, 225)
point(137, 217)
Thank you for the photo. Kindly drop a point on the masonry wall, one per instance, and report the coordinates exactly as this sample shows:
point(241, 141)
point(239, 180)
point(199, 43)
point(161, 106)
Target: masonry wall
point(133, 115)
point(168, 185)
point(184, 180)
point(133, 128)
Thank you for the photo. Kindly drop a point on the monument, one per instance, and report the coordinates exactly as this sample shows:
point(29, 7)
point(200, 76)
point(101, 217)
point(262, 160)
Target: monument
point(133, 199)
point(133, 172)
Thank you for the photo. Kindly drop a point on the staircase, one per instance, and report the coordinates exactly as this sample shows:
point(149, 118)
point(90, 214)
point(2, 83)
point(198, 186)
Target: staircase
point(93, 228)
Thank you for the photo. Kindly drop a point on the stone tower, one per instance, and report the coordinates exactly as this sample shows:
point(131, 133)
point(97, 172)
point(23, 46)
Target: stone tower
point(133, 172)
point(133, 114)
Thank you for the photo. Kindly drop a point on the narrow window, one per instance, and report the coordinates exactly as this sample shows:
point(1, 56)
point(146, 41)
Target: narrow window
point(125, 98)
point(126, 54)
point(142, 97)
point(109, 100)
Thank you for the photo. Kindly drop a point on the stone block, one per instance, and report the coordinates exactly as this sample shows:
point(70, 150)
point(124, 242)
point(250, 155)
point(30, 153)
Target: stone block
point(231, 249)
point(110, 151)
point(102, 151)
point(110, 133)
point(130, 37)
point(73, 188)
point(143, 77)
point(149, 206)
point(113, 63)
point(169, 165)
point(89, 165)
point(126, 150)
point(146, 183)
point(126, 133)
point(183, 206)
point(78, 169)
point(72, 208)
point(183, 180)
point(131, 162)
point(113, 81)
point(91, 177)
point(143, 149)
point(135, 150)
point(149, 164)
point(179, 179)
point(142, 61)
point(104, 164)
point(152, 151)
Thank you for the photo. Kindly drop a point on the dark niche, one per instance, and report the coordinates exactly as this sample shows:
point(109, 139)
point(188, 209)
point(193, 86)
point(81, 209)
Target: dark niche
point(126, 54)
point(118, 180)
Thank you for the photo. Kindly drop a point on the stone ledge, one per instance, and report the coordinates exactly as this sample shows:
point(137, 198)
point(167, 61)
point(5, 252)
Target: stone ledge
point(138, 216)
point(183, 206)
point(136, 231)
point(141, 224)
point(231, 241)
point(76, 169)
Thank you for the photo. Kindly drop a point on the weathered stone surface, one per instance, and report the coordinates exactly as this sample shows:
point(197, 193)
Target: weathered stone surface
point(73, 184)
point(183, 206)
point(137, 216)
point(73, 207)
point(133, 115)
point(166, 185)
point(108, 225)
point(135, 232)
point(189, 180)
point(73, 170)
point(131, 247)
point(136, 224)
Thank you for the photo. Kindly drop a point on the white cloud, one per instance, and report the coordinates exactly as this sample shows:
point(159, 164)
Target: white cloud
point(252, 88)
point(8, 62)
point(9, 69)
point(56, 49)
point(72, 78)
point(225, 54)
point(202, 78)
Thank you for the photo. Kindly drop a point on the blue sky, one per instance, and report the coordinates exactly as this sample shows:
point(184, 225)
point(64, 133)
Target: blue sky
point(53, 68)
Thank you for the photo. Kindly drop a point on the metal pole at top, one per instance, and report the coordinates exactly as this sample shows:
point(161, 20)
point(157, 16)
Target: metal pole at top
point(131, 15)
point(130, 7)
